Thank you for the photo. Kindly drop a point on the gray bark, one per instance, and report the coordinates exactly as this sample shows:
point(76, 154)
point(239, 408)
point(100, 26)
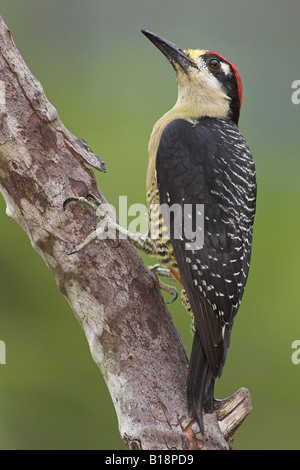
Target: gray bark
point(114, 296)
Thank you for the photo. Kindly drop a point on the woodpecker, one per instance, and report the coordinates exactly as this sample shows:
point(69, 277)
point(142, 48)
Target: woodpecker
point(199, 158)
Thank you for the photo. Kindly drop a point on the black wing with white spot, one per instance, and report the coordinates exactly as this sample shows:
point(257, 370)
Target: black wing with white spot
point(208, 165)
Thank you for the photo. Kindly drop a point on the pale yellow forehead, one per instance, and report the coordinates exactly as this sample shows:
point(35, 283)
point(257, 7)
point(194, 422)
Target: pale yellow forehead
point(194, 53)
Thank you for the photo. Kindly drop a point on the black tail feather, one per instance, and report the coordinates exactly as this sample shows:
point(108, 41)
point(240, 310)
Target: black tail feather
point(200, 383)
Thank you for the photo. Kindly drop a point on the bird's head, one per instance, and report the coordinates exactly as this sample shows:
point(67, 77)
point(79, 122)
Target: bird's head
point(208, 84)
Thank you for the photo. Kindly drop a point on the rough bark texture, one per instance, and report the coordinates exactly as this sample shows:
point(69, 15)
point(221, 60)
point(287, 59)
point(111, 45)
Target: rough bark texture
point(114, 296)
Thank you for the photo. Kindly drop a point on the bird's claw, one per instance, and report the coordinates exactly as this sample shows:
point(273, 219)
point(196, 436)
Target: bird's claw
point(158, 271)
point(175, 294)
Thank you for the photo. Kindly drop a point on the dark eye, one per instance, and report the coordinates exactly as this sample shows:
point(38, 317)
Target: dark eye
point(214, 64)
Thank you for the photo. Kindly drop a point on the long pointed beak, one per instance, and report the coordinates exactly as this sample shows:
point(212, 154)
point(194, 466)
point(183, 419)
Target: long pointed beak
point(173, 53)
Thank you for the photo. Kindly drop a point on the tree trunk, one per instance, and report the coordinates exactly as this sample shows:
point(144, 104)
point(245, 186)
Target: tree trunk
point(114, 296)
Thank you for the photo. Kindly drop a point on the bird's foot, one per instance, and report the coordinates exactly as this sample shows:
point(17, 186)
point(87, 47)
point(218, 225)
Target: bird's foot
point(106, 225)
point(163, 286)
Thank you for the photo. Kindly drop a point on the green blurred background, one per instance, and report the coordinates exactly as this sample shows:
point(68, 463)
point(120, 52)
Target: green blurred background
point(109, 85)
